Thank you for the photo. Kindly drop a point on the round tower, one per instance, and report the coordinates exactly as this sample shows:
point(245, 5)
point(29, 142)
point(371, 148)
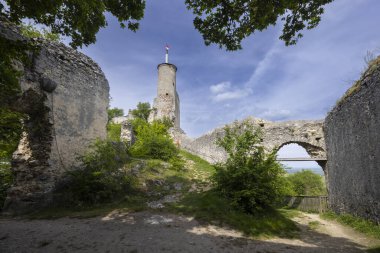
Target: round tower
point(166, 79)
point(166, 104)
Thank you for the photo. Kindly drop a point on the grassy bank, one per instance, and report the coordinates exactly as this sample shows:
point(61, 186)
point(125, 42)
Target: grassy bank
point(198, 199)
point(211, 208)
point(359, 224)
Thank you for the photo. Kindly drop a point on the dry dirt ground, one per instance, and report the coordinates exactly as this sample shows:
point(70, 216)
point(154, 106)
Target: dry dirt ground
point(163, 232)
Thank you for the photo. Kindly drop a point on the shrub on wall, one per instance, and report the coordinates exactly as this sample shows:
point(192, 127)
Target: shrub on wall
point(113, 131)
point(250, 178)
point(153, 141)
point(101, 177)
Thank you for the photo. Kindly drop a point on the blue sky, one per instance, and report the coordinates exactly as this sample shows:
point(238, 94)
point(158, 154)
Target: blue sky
point(266, 79)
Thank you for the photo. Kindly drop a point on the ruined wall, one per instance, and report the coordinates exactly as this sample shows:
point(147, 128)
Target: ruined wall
point(352, 131)
point(65, 95)
point(308, 134)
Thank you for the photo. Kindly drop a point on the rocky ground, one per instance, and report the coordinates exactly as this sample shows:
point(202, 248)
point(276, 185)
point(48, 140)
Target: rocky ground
point(154, 231)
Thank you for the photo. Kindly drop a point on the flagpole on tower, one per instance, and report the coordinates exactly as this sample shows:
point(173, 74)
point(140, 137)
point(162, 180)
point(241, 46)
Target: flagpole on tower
point(167, 53)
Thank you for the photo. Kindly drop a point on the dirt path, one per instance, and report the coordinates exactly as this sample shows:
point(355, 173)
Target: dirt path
point(162, 232)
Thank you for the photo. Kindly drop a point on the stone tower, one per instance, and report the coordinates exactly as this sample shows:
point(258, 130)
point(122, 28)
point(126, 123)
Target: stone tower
point(166, 104)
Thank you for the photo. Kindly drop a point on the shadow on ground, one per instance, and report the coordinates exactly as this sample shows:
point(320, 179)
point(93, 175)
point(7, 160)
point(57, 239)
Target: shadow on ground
point(150, 232)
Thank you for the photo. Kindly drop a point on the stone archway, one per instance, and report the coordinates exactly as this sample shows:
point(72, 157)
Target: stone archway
point(307, 134)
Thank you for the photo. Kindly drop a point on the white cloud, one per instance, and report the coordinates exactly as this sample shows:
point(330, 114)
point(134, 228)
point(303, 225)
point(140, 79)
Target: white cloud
point(275, 114)
point(224, 91)
point(220, 87)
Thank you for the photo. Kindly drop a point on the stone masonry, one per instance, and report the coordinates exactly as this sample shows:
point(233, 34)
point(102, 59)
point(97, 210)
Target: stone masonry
point(308, 134)
point(166, 104)
point(352, 131)
point(65, 97)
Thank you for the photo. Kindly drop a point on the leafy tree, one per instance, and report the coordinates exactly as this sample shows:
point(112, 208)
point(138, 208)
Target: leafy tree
point(153, 141)
point(79, 20)
point(114, 112)
point(250, 178)
point(224, 22)
point(31, 31)
point(228, 22)
point(142, 111)
point(307, 183)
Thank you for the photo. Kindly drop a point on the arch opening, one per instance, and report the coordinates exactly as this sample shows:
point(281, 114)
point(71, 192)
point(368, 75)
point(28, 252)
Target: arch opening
point(300, 150)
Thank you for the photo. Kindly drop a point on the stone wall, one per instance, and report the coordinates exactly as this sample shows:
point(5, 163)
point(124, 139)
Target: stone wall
point(65, 96)
point(352, 131)
point(308, 134)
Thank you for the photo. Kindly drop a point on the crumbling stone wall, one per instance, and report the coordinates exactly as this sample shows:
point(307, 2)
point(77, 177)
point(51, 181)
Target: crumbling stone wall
point(308, 134)
point(65, 97)
point(352, 131)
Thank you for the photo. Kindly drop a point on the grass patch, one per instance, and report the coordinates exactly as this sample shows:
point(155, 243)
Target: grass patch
point(212, 208)
point(200, 165)
point(314, 224)
point(359, 224)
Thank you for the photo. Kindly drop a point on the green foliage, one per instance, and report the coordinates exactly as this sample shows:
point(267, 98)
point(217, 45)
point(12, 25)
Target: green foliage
point(153, 141)
point(6, 179)
point(211, 207)
point(9, 76)
point(250, 178)
point(10, 133)
point(227, 23)
point(114, 112)
point(359, 224)
point(307, 183)
point(79, 20)
point(101, 178)
point(113, 131)
point(31, 31)
point(142, 111)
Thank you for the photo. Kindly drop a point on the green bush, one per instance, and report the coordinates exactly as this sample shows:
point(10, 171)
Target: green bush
point(307, 183)
point(113, 131)
point(142, 111)
point(114, 112)
point(153, 141)
point(6, 179)
point(250, 178)
point(100, 179)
